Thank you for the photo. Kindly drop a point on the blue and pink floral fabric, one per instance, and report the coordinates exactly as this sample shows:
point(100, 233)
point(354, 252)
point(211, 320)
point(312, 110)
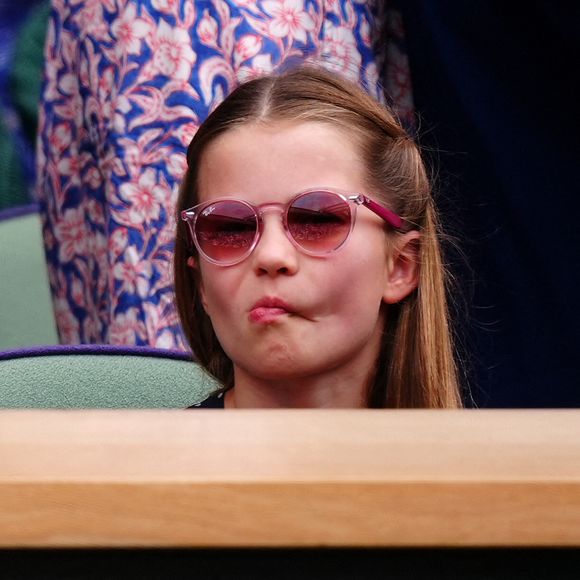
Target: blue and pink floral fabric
point(127, 84)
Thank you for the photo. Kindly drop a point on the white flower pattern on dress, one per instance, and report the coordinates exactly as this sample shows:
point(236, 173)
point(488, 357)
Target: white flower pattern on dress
point(289, 19)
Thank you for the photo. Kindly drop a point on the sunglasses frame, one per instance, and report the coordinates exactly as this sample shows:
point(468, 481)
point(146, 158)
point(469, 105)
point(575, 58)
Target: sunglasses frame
point(191, 215)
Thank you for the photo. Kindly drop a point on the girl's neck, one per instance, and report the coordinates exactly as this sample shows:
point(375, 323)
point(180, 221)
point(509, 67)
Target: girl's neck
point(334, 390)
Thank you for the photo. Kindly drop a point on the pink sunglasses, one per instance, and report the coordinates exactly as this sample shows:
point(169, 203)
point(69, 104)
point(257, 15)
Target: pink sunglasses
point(317, 222)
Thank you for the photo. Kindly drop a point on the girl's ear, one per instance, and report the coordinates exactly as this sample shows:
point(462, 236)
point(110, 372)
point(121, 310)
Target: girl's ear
point(192, 262)
point(402, 267)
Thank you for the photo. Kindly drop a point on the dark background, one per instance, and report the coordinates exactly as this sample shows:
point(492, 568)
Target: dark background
point(495, 89)
point(292, 564)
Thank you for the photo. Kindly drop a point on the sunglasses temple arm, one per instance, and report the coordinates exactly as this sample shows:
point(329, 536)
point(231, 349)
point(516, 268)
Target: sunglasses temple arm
point(186, 215)
point(389, 216)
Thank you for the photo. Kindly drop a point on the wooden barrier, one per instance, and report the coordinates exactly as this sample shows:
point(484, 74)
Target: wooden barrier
point(288, 478)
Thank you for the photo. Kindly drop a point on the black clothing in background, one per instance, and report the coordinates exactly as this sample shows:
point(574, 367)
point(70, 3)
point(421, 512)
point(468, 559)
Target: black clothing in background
point(495, 87)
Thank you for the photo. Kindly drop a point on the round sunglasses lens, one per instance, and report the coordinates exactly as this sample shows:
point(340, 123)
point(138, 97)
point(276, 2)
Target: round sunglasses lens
point(319, 221)
point(225, 230)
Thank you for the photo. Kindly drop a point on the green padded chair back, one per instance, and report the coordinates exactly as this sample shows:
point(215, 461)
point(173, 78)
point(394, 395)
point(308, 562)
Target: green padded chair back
point(100, 377)
point(26, 313)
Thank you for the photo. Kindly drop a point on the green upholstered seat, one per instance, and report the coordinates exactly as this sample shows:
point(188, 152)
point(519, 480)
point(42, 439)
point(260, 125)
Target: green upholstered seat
point(88, 376)
point(26, 313)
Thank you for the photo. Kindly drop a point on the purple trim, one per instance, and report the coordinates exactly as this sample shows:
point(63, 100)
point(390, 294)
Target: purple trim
point(19, 211)
point(94, 349)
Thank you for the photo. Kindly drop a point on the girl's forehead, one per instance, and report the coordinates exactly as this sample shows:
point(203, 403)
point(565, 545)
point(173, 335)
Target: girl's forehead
point(285, 135)
point(284, 157)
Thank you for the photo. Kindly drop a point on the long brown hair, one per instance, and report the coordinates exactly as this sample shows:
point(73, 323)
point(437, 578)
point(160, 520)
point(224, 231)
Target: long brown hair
point(416, 365)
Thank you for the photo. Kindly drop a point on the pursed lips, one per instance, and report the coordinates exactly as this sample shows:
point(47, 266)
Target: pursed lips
point(268, 310)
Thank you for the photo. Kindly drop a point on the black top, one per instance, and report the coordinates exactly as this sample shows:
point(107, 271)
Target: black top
point(214, 401)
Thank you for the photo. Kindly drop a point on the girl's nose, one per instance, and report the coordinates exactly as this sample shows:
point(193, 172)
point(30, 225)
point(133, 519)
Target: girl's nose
point(275, 253)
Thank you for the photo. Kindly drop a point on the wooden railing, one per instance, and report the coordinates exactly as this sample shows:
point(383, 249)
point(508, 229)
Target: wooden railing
point(289, 478)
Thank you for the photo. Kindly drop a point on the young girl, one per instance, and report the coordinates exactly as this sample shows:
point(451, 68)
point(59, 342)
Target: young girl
point(307, 264)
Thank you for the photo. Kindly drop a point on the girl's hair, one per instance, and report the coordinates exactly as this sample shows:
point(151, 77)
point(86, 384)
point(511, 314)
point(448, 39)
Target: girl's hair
point(416, 366)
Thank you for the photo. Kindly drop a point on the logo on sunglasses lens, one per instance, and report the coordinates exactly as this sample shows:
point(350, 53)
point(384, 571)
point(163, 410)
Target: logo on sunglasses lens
point(208, 210)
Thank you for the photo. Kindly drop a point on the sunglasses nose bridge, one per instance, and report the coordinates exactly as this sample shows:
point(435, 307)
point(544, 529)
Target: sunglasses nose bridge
point(271, 207)
point(267, 208)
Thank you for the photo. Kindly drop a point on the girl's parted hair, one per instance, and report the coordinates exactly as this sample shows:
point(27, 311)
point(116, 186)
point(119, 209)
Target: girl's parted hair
point(416, 365)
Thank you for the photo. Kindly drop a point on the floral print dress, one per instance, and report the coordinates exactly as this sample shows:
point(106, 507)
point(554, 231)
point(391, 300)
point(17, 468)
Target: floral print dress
point(127, 83)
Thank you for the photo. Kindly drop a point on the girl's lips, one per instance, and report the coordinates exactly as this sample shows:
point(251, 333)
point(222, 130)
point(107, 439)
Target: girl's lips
point(264, 315)
point(268, 310)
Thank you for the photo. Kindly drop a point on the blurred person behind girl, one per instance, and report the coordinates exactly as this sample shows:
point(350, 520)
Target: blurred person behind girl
point(127, 84)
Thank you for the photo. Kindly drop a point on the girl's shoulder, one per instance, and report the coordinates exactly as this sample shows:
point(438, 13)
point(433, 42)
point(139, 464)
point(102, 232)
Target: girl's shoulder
point(214, 401)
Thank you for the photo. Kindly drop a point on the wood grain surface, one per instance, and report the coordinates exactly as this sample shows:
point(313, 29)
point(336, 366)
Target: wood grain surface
point(288, 478)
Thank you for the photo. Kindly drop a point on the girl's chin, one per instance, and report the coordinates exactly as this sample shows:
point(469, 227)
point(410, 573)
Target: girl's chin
point(280, 371)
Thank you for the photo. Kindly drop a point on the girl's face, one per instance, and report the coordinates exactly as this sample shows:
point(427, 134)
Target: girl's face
point(281, 314)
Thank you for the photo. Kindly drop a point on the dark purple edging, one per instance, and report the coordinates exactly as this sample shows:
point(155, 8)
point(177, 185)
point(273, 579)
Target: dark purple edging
point(94, 349)
point(18, 211)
